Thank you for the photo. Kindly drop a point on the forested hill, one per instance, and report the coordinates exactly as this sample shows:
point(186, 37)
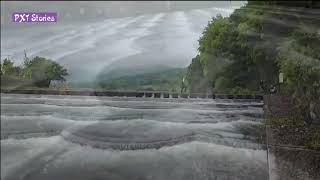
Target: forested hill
point(256, 43)
point(168, 79)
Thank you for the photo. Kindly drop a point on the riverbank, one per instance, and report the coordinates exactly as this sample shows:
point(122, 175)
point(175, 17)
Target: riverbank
point(286, 126)
point(294, 132)
point(293, 143)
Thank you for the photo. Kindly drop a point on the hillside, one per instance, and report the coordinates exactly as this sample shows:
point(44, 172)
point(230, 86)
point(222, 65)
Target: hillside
point(239, 51)
point(246, 52)
point(162, 80)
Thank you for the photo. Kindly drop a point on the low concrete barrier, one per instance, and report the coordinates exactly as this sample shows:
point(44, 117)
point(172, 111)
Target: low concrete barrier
point(221, 96)
point(139, 94)
point(175, 95)
point(166, 95)
point(184, 95)
point(203, 96)
point(157, 95)
point(148, 94)
point(211, 96)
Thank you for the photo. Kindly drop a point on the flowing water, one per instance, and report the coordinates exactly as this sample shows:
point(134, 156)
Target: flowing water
point(85, 137)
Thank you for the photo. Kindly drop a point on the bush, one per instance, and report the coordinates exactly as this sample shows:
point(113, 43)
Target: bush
point(303, 79)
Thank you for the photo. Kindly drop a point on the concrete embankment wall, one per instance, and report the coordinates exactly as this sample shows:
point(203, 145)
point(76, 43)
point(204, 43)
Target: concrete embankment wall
point(278, 105)
point(283, 106)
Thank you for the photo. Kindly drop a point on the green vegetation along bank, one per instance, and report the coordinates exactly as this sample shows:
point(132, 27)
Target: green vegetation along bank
point(36, 72)
point(246, 52)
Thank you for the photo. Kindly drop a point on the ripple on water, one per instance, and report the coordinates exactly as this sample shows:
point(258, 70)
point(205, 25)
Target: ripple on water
point(131, 135)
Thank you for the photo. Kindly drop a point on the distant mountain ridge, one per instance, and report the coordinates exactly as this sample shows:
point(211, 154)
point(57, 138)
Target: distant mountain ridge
point(158, 79)
point(166, 79)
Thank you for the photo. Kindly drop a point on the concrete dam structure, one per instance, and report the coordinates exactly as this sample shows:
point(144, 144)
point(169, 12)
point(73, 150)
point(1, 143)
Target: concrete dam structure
point(145, 94)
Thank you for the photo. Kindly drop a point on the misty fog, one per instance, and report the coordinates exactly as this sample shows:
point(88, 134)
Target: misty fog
point(94, 37)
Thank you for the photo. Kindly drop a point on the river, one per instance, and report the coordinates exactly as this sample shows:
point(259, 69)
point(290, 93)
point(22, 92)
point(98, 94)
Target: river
point(46, 137)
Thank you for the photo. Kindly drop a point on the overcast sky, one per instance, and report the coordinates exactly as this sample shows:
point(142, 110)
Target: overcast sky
point(94, 37)
point(85, 10)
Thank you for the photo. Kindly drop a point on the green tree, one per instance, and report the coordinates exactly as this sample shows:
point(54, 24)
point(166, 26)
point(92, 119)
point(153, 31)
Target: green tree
point(195, 77)
point(43, 71)
point(258, 41)
point(7, 67)
point(303, 79)
point(307, 42)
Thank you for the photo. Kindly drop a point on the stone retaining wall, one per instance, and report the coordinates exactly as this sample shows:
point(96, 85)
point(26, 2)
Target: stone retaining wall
point(278, 105)
point(282, 106)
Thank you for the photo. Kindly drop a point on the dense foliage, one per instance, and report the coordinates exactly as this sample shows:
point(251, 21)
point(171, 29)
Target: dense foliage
point(37, 71)
point(232, 55)
point(251, 47)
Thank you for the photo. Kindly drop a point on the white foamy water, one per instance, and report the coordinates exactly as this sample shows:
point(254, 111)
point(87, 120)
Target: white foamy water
point(82, 137)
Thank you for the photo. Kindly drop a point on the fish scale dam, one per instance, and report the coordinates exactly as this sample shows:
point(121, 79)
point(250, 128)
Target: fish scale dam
point(67, 136)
